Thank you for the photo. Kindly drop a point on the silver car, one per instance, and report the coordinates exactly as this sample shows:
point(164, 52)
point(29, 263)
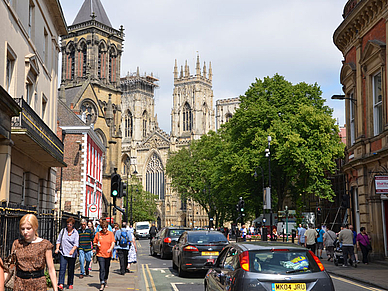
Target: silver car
point(267, 266)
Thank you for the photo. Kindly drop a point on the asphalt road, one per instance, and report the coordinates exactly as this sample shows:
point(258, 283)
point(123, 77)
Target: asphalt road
point(158, 275)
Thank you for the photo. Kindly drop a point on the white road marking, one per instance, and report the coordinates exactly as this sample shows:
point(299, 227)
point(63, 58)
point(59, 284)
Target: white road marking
point(174, 287)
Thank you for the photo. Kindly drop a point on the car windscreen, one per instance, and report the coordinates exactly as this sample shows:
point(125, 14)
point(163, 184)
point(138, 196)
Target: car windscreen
point(282, 262)
point(206, 237)
point(175, 232)
point(144, 226)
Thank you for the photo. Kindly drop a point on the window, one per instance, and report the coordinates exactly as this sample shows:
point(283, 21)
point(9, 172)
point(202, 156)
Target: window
point(31, 18)
point(45, 48)
point(83, 62)
point(44, 106)
point(228, 117)
point(377, 104)
point(187, 118)
point(144, 123)
point(155, 177)
point(352, 116)
point(11, 59)
point(112, 66)
point(29, 92)
point(70, 62)
point(101, 61)
point(128, 124)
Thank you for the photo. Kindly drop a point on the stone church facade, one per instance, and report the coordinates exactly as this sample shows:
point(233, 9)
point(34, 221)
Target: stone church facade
point(122, 111)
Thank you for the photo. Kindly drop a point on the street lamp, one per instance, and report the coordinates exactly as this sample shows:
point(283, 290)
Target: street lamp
point(268, 155)
point(343, 97)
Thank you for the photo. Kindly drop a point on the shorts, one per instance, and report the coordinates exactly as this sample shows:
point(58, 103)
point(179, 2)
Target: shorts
point(320, 245)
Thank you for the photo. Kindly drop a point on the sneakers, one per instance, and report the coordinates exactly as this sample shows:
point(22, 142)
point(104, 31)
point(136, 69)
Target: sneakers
point(60, 287)
point(81, 276)
point(70, 286)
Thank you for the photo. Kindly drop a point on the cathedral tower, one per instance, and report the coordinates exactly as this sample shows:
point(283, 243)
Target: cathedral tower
point(192, 114)
point(90, 82)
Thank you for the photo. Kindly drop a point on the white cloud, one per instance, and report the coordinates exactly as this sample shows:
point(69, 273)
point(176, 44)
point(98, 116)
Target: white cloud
point(243, 40)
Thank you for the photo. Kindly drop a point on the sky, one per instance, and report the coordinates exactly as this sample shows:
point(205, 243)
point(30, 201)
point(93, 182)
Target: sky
point(243, 40)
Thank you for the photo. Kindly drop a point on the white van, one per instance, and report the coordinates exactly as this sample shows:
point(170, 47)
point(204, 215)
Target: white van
point(142, 229)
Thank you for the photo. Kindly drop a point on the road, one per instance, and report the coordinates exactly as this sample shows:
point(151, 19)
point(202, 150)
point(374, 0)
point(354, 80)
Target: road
point(158, 275)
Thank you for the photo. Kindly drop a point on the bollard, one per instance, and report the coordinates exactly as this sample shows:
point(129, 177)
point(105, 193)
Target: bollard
point(293, 233)
point(264, 234)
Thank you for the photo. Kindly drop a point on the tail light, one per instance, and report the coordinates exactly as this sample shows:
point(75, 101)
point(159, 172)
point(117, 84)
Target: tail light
point(316, 259)
point(244, 261)
point(167, 240)
point(190, 249)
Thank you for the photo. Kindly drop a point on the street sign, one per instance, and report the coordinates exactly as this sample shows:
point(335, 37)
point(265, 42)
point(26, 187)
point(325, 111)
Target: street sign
point(93, 208)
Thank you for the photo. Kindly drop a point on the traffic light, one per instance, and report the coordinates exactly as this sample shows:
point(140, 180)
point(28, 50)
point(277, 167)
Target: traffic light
point(240, 207)
point(123, 189)
point(319, 210)
point(115, 182)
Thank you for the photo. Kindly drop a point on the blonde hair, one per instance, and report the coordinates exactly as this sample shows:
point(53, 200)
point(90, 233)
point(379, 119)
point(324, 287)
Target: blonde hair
point(31, 219)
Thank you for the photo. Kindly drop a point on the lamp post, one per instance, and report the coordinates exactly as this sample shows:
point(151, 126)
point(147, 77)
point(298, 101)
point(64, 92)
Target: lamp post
point(268, 155)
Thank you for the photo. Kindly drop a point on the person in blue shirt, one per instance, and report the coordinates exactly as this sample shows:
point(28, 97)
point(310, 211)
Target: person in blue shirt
point(354, 243)
point(320, 233)
point(301, 237)
point(121, 236)
point(98, 228)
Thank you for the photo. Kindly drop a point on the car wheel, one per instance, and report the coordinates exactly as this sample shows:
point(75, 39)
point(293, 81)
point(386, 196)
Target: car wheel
point(162, 254)
point(181, 273)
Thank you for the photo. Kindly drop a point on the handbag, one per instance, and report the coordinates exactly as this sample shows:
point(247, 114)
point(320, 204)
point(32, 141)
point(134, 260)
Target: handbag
point(10, 265)
point(369, 247)
point(57, 256)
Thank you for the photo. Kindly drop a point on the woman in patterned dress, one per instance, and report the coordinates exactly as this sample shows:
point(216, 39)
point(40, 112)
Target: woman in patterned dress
point(32, 255)
point(132, 258)
point(1, 275)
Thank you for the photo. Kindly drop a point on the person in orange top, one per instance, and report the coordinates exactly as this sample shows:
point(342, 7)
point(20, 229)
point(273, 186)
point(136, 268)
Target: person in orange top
point(104, 243)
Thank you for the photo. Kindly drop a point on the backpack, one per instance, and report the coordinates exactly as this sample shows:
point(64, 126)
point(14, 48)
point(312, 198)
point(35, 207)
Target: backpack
point(123, 242)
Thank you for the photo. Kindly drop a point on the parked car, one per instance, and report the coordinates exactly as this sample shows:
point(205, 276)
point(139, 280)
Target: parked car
point(197, 250)
point(267, 266)
point(164, 241)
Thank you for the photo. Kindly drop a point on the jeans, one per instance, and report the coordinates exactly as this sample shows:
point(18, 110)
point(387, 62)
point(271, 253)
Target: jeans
point(104, 264)
point(64, 261)
point(84, 256)
point(311, 247)
point(348, 251)
point(123, 258)
point(365, 252)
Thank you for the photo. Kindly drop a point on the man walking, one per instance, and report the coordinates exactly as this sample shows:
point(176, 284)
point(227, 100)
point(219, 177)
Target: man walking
point(354, 243)
point(86, 237)
point(328, 240)
point(310, 236)
point(346, 238)
point(153, 231)
point(320, 233)
point(123, 242)
point(301, 237)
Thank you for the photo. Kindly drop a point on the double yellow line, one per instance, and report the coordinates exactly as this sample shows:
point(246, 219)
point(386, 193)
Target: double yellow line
point(144, 267)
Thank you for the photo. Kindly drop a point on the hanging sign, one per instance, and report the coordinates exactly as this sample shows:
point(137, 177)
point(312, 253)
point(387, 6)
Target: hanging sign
point(381, 184)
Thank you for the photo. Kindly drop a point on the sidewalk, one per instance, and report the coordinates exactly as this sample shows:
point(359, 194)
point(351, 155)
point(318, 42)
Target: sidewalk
point(130, 281)
point(375, 273)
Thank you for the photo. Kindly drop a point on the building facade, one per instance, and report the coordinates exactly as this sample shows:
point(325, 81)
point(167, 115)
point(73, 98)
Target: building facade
point(90, 82)
point(225, 109)
point(361, 37)
point(29, 45)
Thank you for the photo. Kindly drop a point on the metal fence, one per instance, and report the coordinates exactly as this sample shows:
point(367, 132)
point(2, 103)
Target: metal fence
point(49, 226)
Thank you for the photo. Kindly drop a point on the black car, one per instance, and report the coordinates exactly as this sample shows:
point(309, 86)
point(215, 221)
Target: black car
point(164, 241)
point(267, 266)
point(197, 250)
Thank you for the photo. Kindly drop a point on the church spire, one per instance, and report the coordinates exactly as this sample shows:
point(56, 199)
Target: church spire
point(204, 69)
point(92, 10)
point(176, 70)
point(210, 71)
point(198, 67)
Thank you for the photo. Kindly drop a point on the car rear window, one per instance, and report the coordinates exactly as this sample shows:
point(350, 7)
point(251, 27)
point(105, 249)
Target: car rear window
point(176, 232)
point(282, 262)
point(144, 226)
point(206, 237)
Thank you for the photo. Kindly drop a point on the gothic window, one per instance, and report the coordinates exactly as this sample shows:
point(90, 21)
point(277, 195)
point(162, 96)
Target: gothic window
point(112, 65)
point(187, 118)
point(88, 112)
point(70, 62)
point(228, 116)
point(144, 123)
point(155, 177)
point(352, 117)
point(82, 60)
point(101, 61)
point(128, 124)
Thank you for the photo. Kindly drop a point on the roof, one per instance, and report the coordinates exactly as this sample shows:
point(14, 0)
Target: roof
point(88, 8)
point(66, 117)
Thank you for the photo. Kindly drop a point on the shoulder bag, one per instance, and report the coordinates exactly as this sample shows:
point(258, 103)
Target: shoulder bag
point(10, 265)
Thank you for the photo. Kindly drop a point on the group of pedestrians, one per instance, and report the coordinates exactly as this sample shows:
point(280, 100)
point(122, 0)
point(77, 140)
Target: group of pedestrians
point(100, 243)
point(317, 239)
point(32, 254)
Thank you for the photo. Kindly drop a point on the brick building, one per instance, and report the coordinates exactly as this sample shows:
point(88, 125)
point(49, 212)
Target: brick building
point(80, 183)
point(361, 37)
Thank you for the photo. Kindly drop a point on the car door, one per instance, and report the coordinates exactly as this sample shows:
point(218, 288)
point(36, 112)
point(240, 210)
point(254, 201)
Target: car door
point(221, 276)
point(157, 241)
point(177, 247)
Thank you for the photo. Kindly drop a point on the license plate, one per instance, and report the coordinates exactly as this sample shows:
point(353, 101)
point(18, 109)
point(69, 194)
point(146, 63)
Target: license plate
point(288, 286)
point(209, 253)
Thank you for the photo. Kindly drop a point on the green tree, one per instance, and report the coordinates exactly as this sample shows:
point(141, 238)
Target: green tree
point(305, 140)
point(144, 206)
